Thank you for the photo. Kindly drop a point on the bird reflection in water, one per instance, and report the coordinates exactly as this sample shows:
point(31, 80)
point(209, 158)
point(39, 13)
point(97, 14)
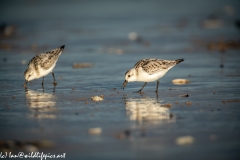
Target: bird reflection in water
point(41, 104)
point(148, 110)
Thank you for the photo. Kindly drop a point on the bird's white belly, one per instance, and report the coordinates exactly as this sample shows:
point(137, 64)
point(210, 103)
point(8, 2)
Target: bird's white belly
point(145, 77)
point(43, 72)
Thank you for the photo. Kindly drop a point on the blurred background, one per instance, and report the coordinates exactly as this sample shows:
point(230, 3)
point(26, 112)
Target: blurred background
point(104, 39)
point(107, 26)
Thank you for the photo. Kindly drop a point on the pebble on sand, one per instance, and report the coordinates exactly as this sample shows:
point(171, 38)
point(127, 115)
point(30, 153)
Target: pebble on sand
point(23, 62)
point(180, 81)
point(30, 148)
point(95, 131)
point(82, 65)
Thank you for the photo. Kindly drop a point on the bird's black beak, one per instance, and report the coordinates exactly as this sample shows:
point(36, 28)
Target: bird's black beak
point(25, 84)
point(124, 84)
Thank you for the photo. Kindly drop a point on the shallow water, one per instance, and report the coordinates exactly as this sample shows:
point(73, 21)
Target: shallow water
point(134, 126)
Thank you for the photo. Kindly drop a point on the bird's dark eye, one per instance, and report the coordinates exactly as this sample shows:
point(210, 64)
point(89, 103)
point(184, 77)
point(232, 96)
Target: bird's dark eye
point(129, 76)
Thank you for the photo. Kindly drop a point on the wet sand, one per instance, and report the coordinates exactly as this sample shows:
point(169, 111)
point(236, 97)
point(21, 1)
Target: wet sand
point(197, 120)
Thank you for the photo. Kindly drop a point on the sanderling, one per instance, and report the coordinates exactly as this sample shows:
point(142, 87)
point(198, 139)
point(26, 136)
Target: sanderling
point(149, 70)
point(42, 64)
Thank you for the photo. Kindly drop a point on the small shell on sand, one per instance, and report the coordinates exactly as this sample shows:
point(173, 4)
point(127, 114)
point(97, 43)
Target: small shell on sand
point(180, 81)
point(97, 98)
point(133, 36)
point(95, 131)
point(185, 140)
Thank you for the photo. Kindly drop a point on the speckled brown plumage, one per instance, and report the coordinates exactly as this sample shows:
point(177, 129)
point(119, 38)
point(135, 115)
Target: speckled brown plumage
point(152, 65)
point(45, 60)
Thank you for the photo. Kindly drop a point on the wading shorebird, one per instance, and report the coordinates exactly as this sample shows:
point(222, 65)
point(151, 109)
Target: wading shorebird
point(149, 70)
point(42, 64)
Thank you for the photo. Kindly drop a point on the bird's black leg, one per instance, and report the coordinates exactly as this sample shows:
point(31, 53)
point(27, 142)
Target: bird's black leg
point(25, 84)
point(43, 84)
point(55, 82)
point(142, 87)
point(157, 86)
point(42, 81)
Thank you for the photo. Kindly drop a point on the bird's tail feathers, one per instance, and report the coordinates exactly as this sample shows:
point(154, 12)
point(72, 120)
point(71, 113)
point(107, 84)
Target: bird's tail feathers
point(179, 60)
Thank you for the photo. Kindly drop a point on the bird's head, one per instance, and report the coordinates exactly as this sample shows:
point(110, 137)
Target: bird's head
point(29, 75)
point(130, 75)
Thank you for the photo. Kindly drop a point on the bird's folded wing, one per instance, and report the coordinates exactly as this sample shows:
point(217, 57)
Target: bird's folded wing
point(43, 60)
point(154, 66)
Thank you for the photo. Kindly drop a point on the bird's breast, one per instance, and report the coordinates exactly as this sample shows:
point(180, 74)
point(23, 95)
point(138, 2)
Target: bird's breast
point(43, 72)
point(145, 77)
